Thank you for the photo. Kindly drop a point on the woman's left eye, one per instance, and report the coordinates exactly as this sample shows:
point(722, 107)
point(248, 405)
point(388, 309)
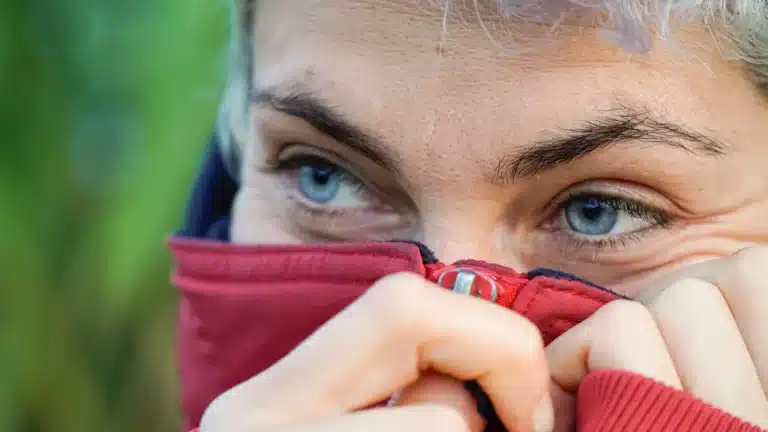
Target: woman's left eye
point(600, 217)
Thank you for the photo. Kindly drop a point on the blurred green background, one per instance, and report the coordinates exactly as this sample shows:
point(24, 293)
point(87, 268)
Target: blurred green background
point(105, 107)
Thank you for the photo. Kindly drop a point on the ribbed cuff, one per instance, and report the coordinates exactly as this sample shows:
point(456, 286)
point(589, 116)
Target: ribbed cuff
point(614, 400)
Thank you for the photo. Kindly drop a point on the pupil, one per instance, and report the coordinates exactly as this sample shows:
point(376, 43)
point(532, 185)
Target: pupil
point(319, 183)
point(591, 216)
point(322, 175)
point(592, 210)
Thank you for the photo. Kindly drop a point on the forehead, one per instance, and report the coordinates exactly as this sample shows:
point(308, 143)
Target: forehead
point(401, 70)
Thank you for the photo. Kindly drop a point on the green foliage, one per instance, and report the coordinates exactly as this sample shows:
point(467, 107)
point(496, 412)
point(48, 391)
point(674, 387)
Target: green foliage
point(104, 109)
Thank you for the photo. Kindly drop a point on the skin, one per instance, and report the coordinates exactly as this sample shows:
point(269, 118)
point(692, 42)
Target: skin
point(446, 120)
point(446, 102)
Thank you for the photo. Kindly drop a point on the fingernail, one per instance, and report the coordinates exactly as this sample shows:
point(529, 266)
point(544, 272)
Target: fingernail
point(544, 416)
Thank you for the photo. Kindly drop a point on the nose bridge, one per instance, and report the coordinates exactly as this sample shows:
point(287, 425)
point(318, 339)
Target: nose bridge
point(452, 240)
point(466, 229)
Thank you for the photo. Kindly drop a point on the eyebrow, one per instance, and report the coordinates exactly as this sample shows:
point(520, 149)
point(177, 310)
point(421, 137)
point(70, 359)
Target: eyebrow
point(618, 126)
point(320, 115)
point(615, 127)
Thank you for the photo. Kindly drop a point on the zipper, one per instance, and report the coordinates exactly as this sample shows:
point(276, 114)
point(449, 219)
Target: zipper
point(497, 284)
point(489, 282)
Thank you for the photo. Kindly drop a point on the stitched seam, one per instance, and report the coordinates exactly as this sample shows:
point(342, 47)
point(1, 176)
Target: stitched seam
point(204, 250)
point(527, 307)
point(399, 257)
point(185, 269)
point(203, 254)
point(202, 279)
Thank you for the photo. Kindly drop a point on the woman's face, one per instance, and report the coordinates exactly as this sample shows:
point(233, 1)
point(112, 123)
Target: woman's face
point(381, 120)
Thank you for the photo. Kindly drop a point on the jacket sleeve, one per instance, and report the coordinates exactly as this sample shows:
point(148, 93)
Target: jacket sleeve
point(613, 400)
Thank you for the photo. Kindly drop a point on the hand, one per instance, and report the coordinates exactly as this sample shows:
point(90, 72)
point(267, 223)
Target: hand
point(405, 334)
point(703, 329)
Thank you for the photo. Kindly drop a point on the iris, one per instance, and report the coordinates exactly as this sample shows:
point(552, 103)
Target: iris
point(319, 183)
point(591, 216)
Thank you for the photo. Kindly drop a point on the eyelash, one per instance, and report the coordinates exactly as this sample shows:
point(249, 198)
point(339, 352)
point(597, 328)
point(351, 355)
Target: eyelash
point(658, 219)
point(294, 163)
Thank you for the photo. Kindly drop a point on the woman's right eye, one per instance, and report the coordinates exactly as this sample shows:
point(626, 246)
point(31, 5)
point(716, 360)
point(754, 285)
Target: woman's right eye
point(322, 185)
point(325, 201)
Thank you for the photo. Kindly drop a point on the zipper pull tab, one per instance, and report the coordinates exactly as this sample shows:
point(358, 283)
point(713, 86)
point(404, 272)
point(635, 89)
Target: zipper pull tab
point(470, 282)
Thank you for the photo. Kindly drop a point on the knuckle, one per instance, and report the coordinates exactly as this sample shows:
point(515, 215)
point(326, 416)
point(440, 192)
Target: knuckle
point(530, 343)
point(515, 340)
point(623, 315)
point(755, 255)
point(221, 412)
point(746, 264)
point(685, 294)
point(689, 297)
point(689, 288)
point(624, 320)
point(625, 310)
point(396, 299)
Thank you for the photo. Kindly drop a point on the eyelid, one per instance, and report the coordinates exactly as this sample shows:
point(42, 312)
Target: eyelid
point(386, 190)
point(617, 190)
point(293, 151)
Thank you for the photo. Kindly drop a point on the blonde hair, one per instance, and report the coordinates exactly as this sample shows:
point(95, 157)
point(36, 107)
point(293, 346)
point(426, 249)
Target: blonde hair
point(630, 24)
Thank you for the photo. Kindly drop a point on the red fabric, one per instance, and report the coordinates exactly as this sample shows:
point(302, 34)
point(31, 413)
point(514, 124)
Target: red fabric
point(613, 400)
point(243, 307)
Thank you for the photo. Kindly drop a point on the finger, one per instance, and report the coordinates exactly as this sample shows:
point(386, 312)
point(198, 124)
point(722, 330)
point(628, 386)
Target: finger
point(564, 409)
point(412, 418)
point(401, 327)
point(440, 389)
point(706, 346)
point(740, 278)
point(620, 335)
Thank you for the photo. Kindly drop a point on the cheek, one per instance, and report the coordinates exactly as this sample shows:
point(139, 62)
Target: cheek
point(254, 220)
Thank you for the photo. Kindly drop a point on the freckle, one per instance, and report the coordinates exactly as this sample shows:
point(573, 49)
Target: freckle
point(439, 50)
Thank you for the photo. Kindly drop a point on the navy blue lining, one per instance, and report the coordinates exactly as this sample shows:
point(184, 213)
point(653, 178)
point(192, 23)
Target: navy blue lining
point(209, 205)
point(427, 256)
point(556, 274)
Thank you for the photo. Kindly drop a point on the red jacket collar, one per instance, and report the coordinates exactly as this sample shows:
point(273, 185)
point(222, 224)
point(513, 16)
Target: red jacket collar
point(243, 307)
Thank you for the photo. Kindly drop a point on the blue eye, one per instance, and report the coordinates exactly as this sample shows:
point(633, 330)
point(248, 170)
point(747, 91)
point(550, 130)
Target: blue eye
point(322, 183)
point(319, 183)
point(591, 216)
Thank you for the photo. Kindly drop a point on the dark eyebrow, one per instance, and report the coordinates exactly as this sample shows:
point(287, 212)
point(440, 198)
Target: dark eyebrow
point(619, 126)
point(320, 115)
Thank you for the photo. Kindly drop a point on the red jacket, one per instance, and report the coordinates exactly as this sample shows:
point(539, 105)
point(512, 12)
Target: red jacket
point(244, 307)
